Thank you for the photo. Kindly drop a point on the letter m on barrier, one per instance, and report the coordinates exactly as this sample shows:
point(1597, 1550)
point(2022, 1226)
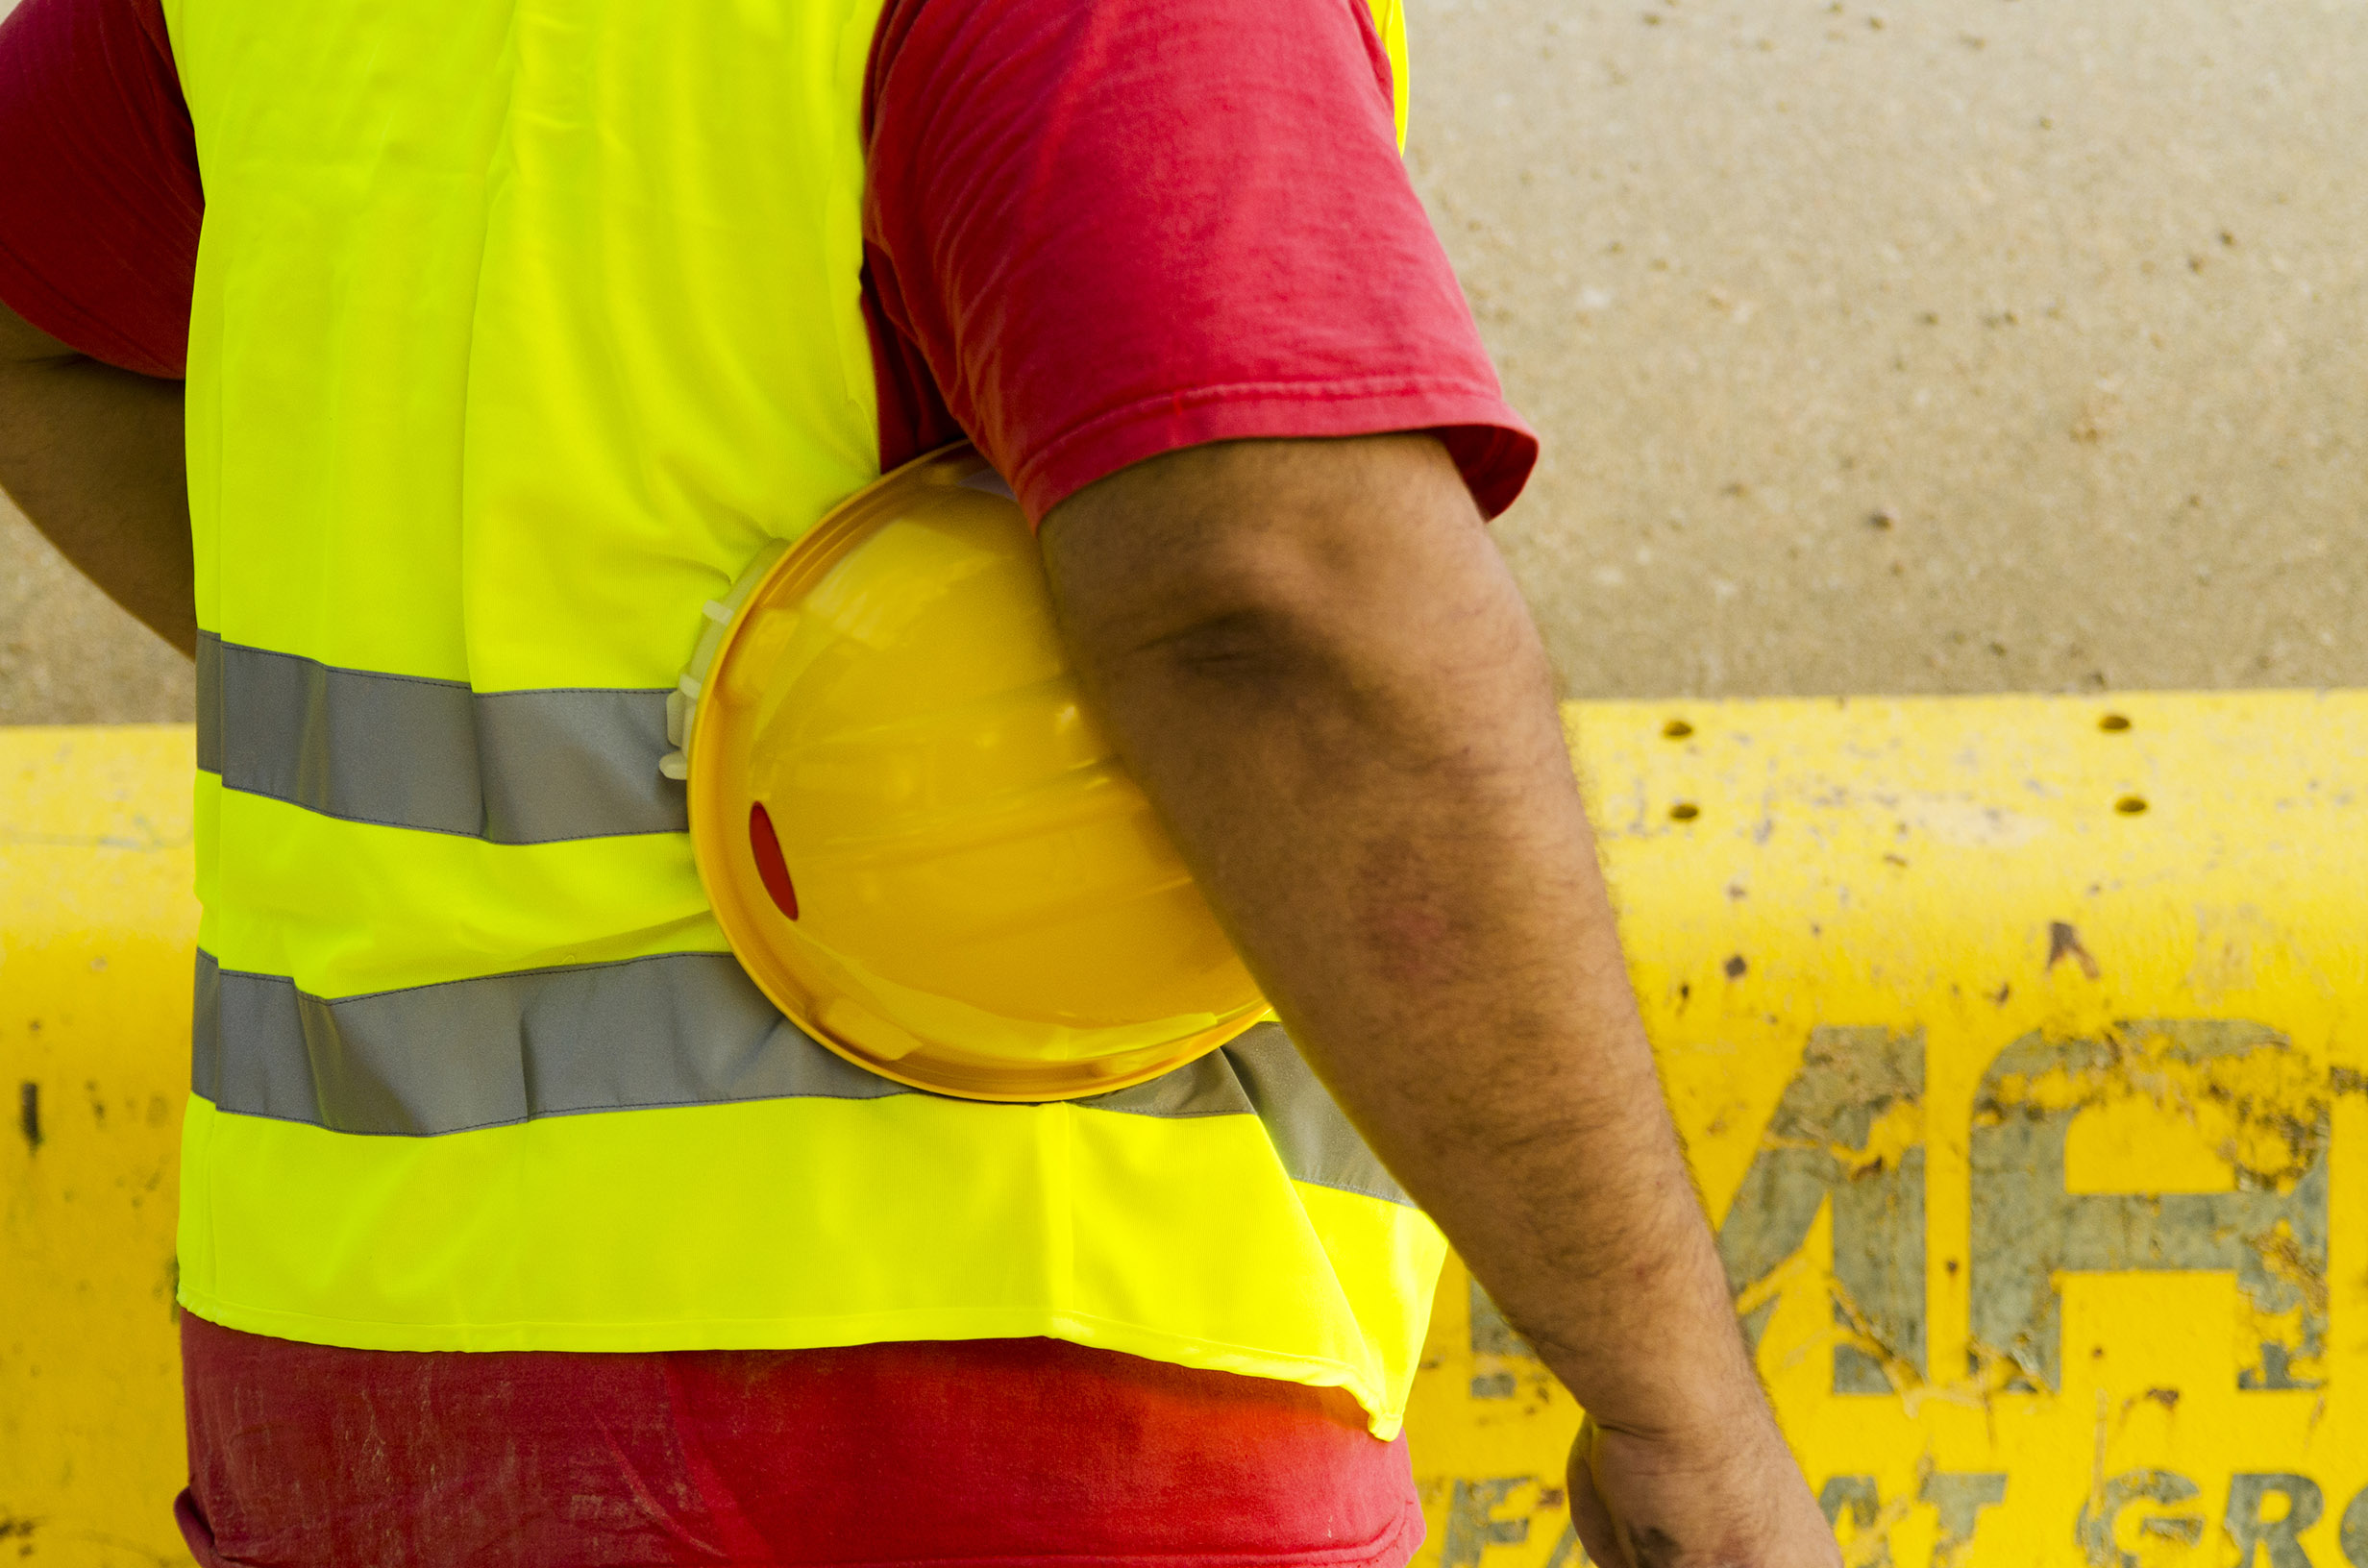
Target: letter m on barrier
point(1849, 1132)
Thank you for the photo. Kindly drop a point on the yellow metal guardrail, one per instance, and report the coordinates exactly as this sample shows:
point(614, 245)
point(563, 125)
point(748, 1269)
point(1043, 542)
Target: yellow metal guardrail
point(2020, 1045)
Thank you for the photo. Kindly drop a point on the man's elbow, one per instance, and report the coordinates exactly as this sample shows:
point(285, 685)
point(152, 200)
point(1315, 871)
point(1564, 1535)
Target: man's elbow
point(1261, 562)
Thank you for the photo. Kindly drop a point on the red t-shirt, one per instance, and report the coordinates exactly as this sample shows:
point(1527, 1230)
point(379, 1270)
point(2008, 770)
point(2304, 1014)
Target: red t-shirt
point(1155, 223)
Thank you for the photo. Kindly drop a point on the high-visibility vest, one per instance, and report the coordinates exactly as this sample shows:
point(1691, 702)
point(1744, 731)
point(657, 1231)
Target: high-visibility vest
point(518, 332)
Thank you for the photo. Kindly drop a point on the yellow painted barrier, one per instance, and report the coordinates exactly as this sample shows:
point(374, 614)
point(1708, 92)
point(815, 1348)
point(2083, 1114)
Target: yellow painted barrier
point(97, 928)
point(2017, 1044)
point(2020, 1045)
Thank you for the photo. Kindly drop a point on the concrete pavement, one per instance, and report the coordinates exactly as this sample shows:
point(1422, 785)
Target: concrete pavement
point(1960, 345)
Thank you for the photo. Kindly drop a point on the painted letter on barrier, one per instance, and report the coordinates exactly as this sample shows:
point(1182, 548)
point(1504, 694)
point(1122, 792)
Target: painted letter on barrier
point(2027, 1227)
point(2274, 1538)
point(2097, 1532)
point(1849, 1130)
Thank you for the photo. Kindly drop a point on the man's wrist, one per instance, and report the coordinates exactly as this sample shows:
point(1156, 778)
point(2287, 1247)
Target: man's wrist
point(1673, 1375)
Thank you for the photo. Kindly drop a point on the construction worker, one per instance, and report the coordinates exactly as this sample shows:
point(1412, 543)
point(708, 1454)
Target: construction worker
point(475, 346)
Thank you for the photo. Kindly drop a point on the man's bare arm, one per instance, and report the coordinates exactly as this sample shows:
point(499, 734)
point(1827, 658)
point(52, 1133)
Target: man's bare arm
point(92, 454)
point(1313, 658)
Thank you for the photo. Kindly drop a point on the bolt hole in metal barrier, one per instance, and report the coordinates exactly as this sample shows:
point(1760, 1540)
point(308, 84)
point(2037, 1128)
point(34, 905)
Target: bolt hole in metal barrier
point(2036, 1142)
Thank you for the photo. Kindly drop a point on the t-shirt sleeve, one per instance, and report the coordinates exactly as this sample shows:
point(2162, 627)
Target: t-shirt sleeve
point(100, 208)
point(1109, 229)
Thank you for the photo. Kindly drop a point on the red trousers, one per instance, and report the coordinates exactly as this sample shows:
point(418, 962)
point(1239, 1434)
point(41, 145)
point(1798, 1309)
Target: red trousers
point(1009, 1453)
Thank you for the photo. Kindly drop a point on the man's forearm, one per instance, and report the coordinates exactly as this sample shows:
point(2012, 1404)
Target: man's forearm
point(1347, 719)
point(92, 454)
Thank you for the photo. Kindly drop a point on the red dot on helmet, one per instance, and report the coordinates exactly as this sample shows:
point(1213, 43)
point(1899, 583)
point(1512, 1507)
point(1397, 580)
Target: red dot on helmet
point(766, 845)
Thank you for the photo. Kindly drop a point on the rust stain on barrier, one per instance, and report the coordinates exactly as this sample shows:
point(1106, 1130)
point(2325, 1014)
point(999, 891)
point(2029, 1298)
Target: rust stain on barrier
point(2063, 941)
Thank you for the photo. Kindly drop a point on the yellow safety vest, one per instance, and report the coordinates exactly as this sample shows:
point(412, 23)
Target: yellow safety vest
point(518, 331)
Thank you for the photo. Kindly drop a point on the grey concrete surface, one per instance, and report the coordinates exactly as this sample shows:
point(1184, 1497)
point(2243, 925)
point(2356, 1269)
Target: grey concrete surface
point(67, 655)
point(1961, 345)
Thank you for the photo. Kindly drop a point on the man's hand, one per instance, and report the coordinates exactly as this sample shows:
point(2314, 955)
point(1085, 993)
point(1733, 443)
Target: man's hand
point(92, 454)
point(1725, 1496)
point(1313, 659)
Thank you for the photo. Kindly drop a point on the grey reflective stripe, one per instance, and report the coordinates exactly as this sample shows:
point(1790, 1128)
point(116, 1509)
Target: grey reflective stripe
point(508, 767)
point(1317, 1142)
point(1261, 1073)
point(208, 703)
point(676, 1029)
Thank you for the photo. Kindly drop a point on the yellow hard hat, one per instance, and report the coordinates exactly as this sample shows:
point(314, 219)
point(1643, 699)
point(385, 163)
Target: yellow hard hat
point(918, 842)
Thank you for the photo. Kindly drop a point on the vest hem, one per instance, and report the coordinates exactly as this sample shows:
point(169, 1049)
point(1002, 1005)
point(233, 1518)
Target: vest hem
point(1383, 1418)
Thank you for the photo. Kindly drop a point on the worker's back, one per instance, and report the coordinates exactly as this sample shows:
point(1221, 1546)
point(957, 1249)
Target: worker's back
point(516, 333)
